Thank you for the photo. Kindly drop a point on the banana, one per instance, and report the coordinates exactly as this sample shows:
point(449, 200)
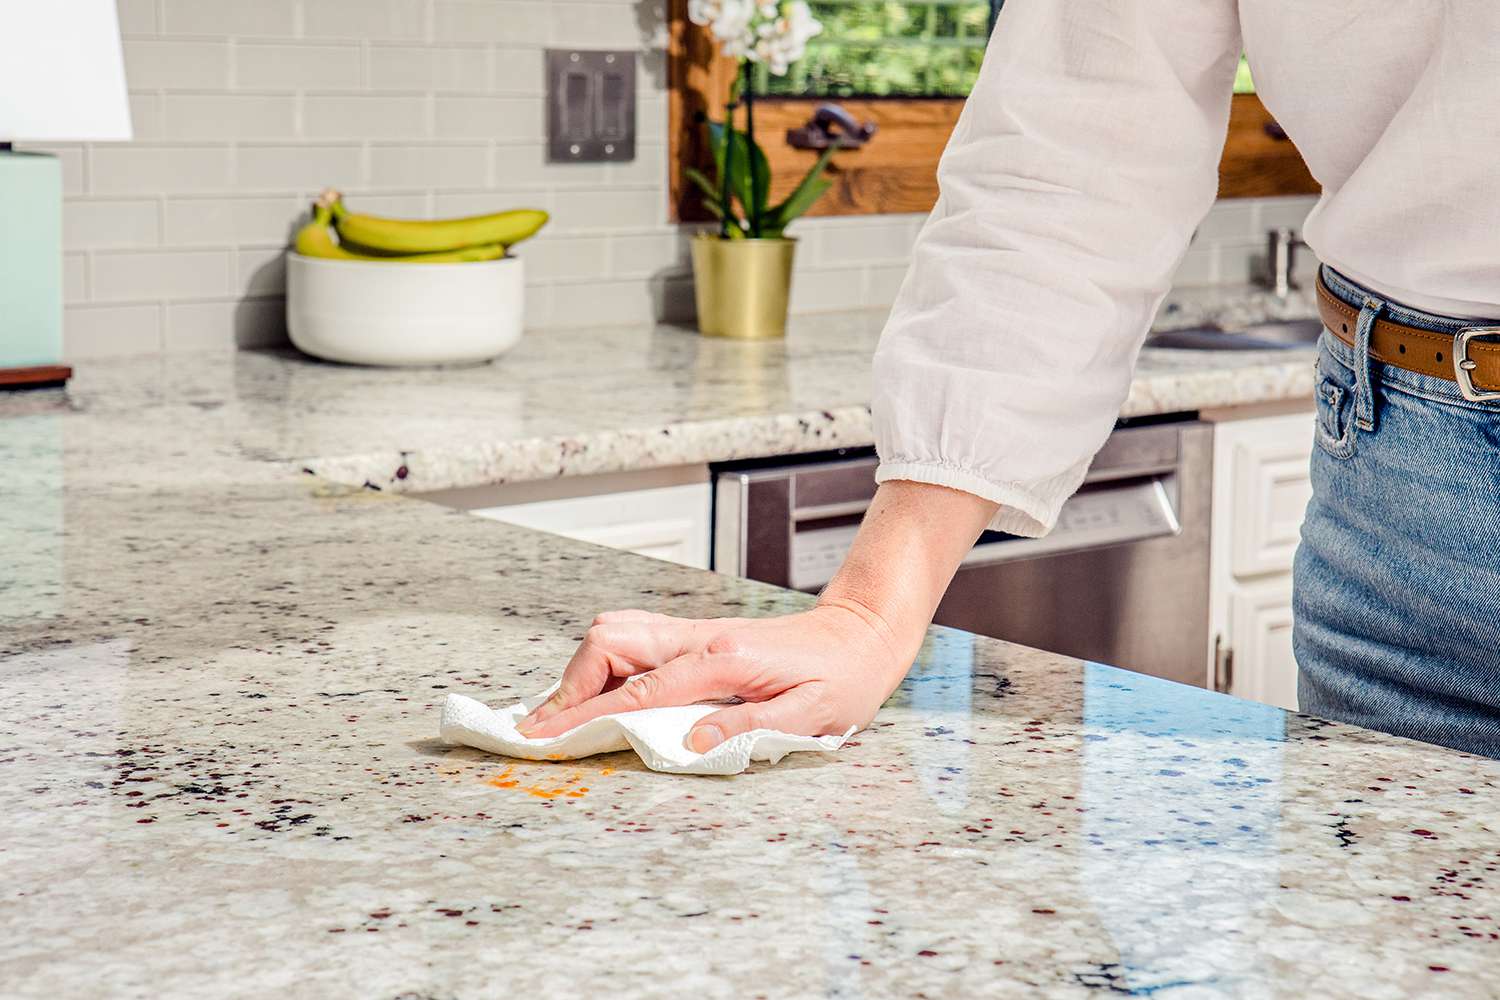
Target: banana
point(382, 235)
point(316, 240)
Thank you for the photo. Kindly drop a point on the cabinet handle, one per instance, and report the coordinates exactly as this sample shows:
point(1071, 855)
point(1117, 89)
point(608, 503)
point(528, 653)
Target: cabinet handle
point(1223, 665)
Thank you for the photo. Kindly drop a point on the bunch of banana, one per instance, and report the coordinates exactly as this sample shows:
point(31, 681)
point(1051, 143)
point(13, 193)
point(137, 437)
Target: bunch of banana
point(435, 241)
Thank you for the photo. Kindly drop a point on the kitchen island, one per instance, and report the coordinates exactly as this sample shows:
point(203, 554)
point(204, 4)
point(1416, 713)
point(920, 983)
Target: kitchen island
point(225, 640)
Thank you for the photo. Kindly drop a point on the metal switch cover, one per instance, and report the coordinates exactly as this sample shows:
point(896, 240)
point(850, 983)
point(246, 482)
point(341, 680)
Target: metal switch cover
point(590, 106)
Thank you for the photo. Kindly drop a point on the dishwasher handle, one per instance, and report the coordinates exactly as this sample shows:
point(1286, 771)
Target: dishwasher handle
point(1110, 515)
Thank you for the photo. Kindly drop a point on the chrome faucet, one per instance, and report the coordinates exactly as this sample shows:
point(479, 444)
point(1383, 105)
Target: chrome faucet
point(1281, 257)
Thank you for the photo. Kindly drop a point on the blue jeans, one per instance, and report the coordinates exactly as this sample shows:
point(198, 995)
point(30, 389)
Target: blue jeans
point(1397, 580)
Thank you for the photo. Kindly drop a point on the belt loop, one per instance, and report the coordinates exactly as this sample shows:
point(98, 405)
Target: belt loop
point(1364, 390)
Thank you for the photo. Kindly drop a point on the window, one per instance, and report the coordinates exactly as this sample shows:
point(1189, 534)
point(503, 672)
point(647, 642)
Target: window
point(905, 65)
point(880, 48)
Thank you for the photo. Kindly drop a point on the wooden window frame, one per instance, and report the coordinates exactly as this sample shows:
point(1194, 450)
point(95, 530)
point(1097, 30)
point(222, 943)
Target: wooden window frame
point(897, 170)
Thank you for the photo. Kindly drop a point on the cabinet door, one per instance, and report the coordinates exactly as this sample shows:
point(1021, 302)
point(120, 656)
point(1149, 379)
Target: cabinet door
point(1260, 624)
point(670, 522)
point(1271, 490)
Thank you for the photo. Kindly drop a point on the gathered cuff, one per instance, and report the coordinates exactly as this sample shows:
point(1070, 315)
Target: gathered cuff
point(1025, 512)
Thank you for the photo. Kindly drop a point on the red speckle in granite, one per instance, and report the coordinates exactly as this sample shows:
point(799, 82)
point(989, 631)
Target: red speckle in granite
point(1402, 899)
point(1438, 968)
point(927, 954)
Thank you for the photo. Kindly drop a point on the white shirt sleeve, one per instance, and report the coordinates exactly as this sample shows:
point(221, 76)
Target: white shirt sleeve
point(1085, 156)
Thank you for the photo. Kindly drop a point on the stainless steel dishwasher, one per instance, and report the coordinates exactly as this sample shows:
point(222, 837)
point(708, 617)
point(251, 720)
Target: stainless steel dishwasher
point(1122, 579)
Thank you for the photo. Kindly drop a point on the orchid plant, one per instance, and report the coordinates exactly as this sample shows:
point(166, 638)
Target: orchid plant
point(775, 35)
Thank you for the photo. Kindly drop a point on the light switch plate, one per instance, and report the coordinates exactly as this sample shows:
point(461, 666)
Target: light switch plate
point(590, 106)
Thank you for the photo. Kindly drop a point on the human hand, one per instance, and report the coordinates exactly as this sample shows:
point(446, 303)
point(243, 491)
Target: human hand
point(814, 673)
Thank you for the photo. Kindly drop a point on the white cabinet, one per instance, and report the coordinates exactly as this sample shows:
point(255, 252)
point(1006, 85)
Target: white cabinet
point(665, 514)
point(1261, 490)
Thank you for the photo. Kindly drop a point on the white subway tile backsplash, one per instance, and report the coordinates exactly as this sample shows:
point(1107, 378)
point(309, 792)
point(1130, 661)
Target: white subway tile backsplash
point(260, 273)
point(1273, 213)
point(429, 68)
point(648, 254)
point(616, 208)
point(143, 169)
point(828, 289)
point(881, 284)
point(607, 302)
point(376, 20)
point(459, 117)
point(520, 71)
point(229, 17)
point(298, 168)
point(597, 25)
point(359, 116)
point(225, 323)
point(90, 225)
point(1200, 266)
point(527, 165)
point(870, 240)
point(401, 206)
point(447, 204)
point(1234, 220)
point(224, 222)
point(265, 66)
point(75, 268)
point(228, 116)
point(648, 167)
point(93, 332)
point(451, 165)
point(145, 115)
point(158, 63)
point(139, 276)
point(550, 258)
point(507, 22)
point(137, 17)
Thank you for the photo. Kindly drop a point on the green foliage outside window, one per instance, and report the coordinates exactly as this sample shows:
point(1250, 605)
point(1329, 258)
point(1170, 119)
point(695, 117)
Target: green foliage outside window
point(889, 48)
point(898, 48)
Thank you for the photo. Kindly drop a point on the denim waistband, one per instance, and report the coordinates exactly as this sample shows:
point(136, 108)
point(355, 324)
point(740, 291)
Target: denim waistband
point(1441, 390)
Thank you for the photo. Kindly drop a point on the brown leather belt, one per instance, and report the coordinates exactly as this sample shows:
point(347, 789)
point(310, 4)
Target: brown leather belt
point(1458, 357)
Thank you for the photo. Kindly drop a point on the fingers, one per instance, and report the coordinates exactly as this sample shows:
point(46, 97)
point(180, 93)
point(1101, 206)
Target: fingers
point(687, 679)
point(618, 644)
point(800, 710)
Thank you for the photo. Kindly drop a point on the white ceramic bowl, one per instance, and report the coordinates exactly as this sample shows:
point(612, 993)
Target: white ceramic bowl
point(379, 313)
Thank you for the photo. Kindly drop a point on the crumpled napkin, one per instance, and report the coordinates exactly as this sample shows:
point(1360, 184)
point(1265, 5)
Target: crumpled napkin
point(655, 734)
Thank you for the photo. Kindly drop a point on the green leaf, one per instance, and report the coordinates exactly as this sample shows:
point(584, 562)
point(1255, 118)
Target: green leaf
point(803, 196)
point(752, 201)
point(709, 188)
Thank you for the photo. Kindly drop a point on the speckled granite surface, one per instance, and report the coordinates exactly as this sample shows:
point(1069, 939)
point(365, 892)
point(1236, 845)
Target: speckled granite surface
point(219, 777)
point(580, 402)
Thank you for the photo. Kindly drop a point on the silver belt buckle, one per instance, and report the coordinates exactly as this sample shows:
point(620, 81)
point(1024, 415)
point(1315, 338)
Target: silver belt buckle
point(1463, 365)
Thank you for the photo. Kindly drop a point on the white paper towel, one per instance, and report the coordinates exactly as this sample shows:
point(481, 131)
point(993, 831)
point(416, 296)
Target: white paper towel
point(656, 734)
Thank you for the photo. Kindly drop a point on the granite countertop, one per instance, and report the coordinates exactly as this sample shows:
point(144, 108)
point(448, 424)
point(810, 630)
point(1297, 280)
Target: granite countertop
point(222, 678)
point(650, 398)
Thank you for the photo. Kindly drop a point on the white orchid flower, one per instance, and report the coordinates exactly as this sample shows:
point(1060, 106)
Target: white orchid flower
point(759, 31)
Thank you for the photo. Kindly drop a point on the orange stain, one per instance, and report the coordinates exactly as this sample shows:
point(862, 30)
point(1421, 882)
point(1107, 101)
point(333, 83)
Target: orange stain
point(568, 788)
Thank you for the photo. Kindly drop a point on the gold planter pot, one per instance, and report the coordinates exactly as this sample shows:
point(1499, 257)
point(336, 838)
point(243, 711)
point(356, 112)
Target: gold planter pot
point(742, 286)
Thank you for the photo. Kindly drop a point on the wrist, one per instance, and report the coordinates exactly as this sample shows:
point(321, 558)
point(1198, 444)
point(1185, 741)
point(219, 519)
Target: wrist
point(899, 638)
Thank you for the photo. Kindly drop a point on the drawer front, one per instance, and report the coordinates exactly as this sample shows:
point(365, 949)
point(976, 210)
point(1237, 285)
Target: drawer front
point(670, 522)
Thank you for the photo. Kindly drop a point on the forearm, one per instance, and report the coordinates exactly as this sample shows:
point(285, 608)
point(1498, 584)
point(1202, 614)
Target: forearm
point(907, 550)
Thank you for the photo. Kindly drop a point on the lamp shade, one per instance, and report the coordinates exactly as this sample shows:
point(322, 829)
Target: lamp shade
point(62, 75)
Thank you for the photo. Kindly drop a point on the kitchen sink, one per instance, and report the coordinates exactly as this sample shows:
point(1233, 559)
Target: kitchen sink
point(1272, 336)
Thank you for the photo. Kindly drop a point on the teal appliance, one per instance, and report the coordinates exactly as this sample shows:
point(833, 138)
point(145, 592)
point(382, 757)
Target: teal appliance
point(62, 80)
